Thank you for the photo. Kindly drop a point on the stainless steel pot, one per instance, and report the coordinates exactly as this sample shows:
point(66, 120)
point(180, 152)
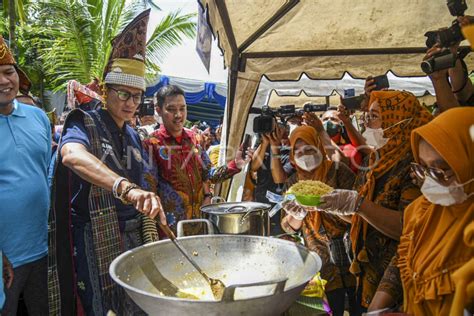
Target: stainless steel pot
point(263, 275)
point(239, 218)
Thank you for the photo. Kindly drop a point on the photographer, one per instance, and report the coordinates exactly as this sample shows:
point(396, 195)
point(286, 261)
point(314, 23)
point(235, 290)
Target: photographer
point(147, 122)
point(272, 153)
point(337, 123)
point(356, 139)
point(452, 84)
point(332, 149)
point(460, 83)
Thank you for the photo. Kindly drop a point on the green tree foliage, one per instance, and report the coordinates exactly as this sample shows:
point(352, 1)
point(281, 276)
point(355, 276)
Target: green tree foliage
point(71, 39)
point(78, 38)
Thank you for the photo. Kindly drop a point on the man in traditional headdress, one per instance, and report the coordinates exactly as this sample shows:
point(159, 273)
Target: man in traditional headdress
point(104, 214)
point(25, 153)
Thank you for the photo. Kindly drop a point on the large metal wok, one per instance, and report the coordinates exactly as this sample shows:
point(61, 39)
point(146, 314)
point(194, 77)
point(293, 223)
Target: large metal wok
point(263, 276)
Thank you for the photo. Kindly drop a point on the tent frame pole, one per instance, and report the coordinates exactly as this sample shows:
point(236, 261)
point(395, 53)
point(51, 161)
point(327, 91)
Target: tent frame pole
point(224, 15)
point(329, 53)
point(337, 52)
point(268, 24)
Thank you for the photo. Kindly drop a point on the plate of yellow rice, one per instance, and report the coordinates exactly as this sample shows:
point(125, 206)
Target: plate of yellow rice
point(309, 192)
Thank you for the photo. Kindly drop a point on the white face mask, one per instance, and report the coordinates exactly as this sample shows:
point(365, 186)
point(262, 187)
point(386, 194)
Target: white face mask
point(374, 137)
point(308, 162)
point(444, 195)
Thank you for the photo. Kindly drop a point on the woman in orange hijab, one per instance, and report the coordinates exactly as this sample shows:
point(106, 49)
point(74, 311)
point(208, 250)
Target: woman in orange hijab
point(323, 233)
point(431, 246)
point(383, 189)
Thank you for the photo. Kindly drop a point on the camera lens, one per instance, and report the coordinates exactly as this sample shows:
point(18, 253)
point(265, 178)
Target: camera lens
point(427, 66)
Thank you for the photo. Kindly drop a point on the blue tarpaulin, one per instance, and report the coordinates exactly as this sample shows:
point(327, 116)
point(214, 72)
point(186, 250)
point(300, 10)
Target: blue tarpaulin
point(206, 100)
point(195, 91)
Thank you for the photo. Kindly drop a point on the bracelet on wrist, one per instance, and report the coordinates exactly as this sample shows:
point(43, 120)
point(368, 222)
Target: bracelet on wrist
point(463, 86)
point(208, 195)
point(116, 186)
point(123, 196)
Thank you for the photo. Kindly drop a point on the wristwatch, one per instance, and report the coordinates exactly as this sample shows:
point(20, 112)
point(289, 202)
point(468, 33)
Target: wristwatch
point(208, 195)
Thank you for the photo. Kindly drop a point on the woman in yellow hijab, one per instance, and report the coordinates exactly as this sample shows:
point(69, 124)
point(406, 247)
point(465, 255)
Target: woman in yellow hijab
point(323, 233)
point(431, 246)
point(383, 189)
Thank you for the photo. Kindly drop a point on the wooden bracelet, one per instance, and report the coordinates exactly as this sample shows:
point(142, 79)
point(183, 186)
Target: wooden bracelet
point(128, 188)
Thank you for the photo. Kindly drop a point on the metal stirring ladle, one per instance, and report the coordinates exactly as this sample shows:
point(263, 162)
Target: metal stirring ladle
point(217, 286)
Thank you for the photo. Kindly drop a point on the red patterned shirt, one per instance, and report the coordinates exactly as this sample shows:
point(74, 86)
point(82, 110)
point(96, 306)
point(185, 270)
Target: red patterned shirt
point(182, 169)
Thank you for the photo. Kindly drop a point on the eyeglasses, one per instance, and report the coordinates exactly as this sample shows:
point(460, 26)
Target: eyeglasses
point(367, 117)
point(125, 96)
point(437, 174)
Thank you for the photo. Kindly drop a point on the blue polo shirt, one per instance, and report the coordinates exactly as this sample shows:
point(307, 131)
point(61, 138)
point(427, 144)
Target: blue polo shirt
point(25, 153)
point(2, 295)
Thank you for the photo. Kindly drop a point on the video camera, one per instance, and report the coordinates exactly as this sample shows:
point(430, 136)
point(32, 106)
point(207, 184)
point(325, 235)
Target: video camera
point(443, 60)
point(445, 38)
point(265, 122)
point(451, 35)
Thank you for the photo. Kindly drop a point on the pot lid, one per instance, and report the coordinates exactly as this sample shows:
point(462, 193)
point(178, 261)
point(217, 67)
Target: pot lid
point(235, 207)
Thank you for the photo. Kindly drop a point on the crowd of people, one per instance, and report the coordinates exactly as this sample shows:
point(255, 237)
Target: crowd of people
point(390, 235)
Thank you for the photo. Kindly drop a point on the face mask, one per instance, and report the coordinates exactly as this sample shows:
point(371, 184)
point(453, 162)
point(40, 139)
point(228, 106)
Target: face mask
point(307, 162)
point(331, 128)
point(374, 137)
point(444, 195)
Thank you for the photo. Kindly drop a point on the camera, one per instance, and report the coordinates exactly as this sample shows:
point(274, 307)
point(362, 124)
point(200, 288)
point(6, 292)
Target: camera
point(381, 82)
point(451, 35)
point(147, 107)
point(457, 7)
point(265, 122)
point(349, 93)
point(353, 103)
point(443, 60)
point(446, 37)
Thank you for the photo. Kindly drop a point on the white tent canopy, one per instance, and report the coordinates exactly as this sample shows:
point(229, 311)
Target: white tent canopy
point(338, 35)
point(282, 39)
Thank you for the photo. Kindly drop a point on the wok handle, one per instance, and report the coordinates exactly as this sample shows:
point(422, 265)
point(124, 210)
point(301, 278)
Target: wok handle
point(180, 228)
point(229, 291)
point(166, 230)
point(217, 199)
point(237, 207)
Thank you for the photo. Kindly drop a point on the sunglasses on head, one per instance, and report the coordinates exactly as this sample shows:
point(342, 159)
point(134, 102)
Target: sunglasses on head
point(125, 96)
point(437, 174)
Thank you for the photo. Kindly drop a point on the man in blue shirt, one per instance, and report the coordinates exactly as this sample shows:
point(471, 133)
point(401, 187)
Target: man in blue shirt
point(2, 295)
point(24, 194)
